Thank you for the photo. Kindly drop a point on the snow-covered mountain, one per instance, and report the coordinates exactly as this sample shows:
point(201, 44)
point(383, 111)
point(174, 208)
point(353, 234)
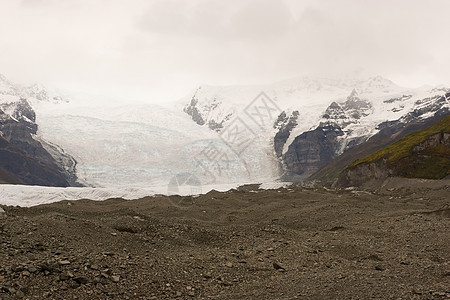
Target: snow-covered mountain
point(212, 105)
point(101, 142)
point(319, 118)
point(216, 135)
point(23, 157)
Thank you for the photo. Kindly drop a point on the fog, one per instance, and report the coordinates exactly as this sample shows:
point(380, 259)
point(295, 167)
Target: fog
point(159, 50)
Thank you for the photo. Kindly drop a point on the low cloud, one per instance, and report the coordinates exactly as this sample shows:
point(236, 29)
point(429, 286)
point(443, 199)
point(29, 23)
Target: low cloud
point(161, 49)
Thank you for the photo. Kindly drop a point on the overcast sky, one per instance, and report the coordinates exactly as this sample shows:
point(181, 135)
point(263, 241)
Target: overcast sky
point(159, 50)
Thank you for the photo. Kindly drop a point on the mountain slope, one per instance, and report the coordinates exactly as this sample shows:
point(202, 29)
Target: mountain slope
point(421, 154)
point(240, 134)
point(103, 142)
point(23, 158)
point(319, 118)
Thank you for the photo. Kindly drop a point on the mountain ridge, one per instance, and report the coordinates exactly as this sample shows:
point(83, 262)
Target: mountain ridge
point(423, 153)
point(286, 130)
point(315, 127)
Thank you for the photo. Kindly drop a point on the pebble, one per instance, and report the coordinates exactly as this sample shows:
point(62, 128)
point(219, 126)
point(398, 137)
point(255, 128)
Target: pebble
point(379, 268)
point(26, 273)
point(115, 278)
point(64, 262)
point(2, 213)
point(81, 280)
point(278, 267)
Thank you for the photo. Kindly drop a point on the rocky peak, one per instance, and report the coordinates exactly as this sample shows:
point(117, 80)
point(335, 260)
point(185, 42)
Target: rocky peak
point(193, 110)
point(208, 112)
point(284, 123)
point(354, 102)
point(20, 112)
point(379, 83)
point(353, 95)
point(30, 92)
point(334, 112)
point(25, 114)
point(36, 91)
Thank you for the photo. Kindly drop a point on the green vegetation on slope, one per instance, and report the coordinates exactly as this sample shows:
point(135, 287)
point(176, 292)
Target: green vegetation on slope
point(436, 159)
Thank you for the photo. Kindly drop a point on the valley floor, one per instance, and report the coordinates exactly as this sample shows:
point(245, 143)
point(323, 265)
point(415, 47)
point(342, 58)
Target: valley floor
point(290, 243)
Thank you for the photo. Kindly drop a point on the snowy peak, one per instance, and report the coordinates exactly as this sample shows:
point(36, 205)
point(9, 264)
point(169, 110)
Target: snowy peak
point(20, 112)
point(353, 95)
point(214, 106)
point(356, 107)
point(210, 111)
point(284, 125)
point(10, 91)
point(338, 86)
point(379, 84)
point(336, 114)
point(348, 112)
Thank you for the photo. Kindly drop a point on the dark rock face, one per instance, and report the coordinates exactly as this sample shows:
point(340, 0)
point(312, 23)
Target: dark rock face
point(284, 124)
point(312, 150)
point(24, 159)
point(21, 168)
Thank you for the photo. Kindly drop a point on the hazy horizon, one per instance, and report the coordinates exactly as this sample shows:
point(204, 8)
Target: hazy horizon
point(158, 51)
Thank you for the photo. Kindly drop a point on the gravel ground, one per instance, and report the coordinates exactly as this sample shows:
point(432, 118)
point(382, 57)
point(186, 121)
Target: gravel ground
point(291, 243)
